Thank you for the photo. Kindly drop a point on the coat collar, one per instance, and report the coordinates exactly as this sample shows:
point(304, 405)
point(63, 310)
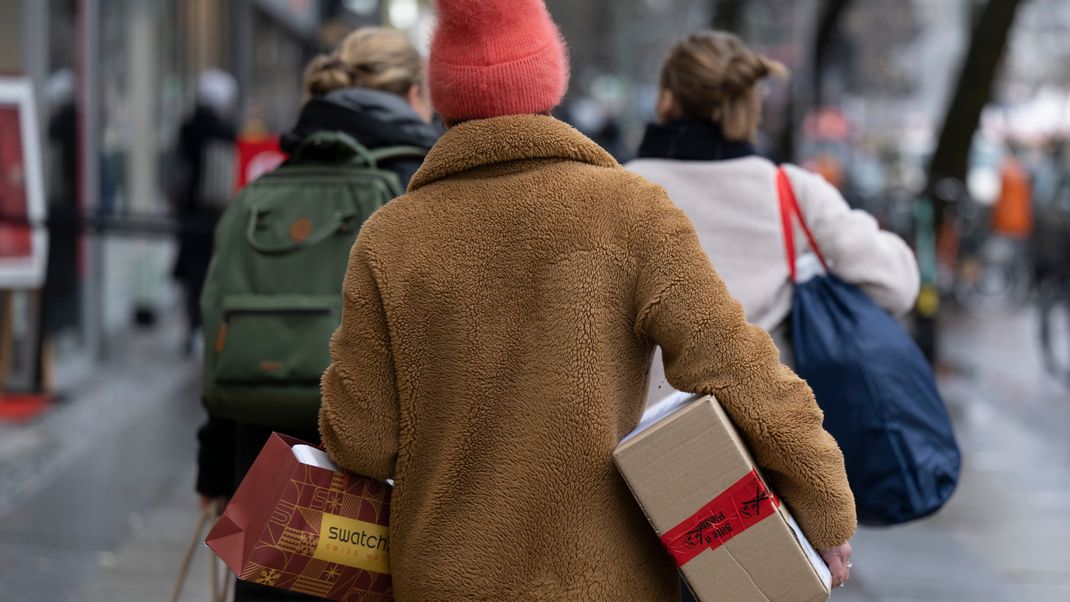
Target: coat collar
point(376, 119)
point(691, 140)
point(486, 142)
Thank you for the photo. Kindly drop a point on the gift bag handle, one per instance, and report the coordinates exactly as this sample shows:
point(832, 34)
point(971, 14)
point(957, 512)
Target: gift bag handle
point(789, 208)
point(210, 513)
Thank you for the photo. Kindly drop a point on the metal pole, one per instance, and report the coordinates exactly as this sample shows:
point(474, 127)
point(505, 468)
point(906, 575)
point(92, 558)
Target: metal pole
point(89, 90)
point(35, 52)
point(241, 25)
point(384, 12)
point(142, 162)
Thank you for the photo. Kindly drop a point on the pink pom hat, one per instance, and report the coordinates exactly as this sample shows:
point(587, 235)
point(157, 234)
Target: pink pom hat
point(491, 58)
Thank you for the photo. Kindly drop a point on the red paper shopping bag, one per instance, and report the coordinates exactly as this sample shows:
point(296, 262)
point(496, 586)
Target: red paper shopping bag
point(305, 528)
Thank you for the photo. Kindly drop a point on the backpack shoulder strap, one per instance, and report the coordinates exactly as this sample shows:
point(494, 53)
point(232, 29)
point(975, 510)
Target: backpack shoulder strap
point(789, 211)
point(398, 152)
point(338, 146)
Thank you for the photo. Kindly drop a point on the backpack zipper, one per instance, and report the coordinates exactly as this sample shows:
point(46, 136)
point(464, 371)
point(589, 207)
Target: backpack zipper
point(327, 173)
point(224, 326)
point(293, 313)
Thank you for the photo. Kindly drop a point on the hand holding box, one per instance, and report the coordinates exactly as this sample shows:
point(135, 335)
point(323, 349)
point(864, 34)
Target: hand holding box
point(700, 489)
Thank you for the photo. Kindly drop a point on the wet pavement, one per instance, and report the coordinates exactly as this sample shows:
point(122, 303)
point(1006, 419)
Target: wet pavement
point(76, 485)
point(1005, 536)
point(96, 501)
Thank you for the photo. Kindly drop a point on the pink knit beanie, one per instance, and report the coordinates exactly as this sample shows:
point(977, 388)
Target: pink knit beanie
point(491, 58)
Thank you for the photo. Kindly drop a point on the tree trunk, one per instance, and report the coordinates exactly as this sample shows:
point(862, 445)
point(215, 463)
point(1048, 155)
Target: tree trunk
point(832, 12)
point(972, 92)
point(805, 97)
point(728, 15)
point(950, 162)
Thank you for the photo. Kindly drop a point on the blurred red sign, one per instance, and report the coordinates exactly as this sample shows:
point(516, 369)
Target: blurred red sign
point(16, 241)
point(829, 123)
point(23, 239)
point(257, 156)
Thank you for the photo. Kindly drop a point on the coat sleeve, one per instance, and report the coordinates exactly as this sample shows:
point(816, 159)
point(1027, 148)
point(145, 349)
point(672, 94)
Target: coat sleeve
point(709, 348)
point(359, 411)
point(858, 251)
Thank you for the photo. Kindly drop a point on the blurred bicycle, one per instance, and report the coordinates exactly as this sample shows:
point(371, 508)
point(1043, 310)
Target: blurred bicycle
point(987, 273)
point(993, 276)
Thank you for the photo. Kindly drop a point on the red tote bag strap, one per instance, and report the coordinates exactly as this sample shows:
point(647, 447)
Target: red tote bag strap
point(789, 207)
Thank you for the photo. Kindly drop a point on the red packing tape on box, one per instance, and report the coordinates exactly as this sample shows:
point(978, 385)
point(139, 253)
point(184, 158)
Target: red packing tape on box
point(740, 507)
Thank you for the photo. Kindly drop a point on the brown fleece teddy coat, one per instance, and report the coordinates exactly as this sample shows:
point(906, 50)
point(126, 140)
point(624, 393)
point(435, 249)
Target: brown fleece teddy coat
point(497, 334)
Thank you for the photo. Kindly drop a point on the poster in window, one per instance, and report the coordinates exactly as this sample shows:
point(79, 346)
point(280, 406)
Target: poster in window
point(23, 237)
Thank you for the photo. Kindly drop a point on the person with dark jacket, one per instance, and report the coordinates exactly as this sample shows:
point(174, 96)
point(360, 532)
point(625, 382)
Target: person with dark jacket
point(374, 118)
point(203, 185)
point(61, 298)
point(372, 89)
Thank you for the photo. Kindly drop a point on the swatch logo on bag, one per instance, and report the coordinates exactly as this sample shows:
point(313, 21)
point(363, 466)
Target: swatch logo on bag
point(354, 543)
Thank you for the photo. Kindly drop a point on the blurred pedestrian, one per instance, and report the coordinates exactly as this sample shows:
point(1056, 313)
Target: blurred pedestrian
point(370, 92)
point(61, 295)
point(203, 185)
point(1012, 215)
point(497, 332)
point(828, 166)
point(702, 151)
point(372, 89)
point(1048, 252)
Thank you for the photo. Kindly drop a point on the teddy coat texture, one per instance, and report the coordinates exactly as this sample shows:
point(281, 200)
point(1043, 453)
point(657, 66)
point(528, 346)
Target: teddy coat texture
point(495, 345)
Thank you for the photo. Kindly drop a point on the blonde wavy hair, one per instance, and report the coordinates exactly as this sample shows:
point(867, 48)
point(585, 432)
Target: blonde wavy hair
point(372, 57)
point(713, 75)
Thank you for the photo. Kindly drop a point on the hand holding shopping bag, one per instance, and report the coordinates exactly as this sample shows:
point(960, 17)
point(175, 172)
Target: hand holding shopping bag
point(304, 526)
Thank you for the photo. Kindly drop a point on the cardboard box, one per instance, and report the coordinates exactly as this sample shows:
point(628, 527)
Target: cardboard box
point(700, 489)
point(298, 523)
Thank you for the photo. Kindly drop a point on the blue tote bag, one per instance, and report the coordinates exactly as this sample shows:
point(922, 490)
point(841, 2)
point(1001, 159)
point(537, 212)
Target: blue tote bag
point(876, 388)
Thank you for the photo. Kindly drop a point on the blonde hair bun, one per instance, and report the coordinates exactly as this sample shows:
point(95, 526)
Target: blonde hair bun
point(372, 57)
point(325, 74)
point(713, 75)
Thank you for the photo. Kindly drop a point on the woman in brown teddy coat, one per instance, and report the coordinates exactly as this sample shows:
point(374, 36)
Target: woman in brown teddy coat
point(497, 335)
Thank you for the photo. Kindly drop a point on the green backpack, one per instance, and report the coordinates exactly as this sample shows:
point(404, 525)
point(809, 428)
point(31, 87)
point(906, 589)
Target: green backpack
point(273, 294)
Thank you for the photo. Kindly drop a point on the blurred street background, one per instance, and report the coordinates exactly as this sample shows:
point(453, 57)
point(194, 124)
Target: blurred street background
point(947, 119)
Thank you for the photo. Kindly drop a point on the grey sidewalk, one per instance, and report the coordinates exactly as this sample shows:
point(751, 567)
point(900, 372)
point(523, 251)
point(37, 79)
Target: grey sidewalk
point(145, 568)
point(75, 484)
point(1004, 538)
